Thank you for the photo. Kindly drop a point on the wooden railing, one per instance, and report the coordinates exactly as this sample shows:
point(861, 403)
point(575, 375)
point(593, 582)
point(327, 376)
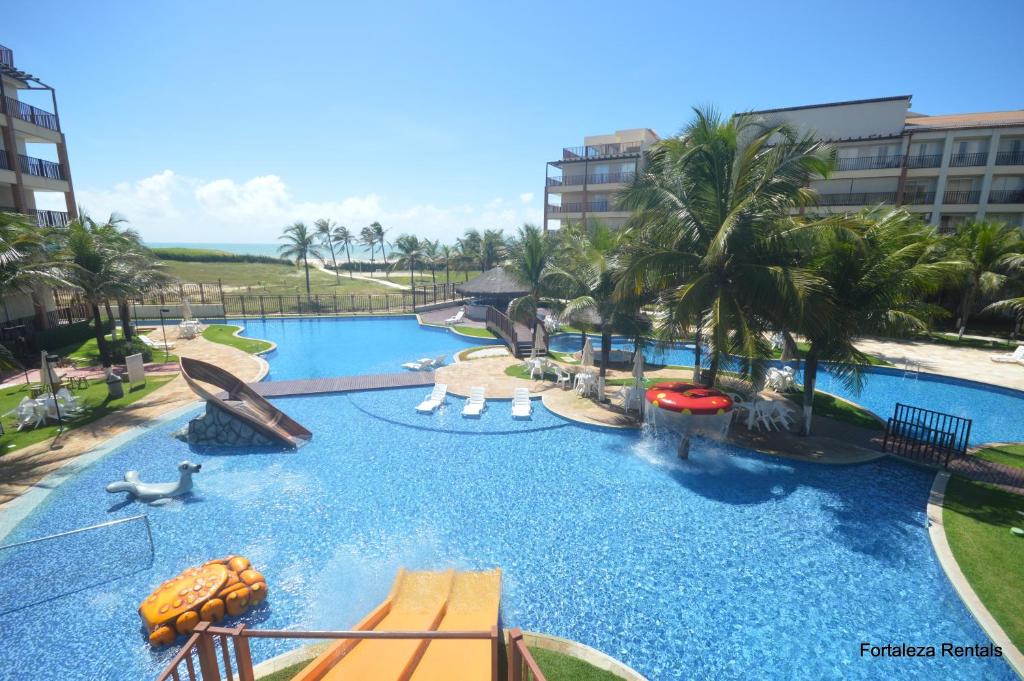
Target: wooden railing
point(499, 323)
point(213, 653)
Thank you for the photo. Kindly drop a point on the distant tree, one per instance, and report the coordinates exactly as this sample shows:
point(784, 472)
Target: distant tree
point(470, 246)
point(990, 253)
point(529, 258)
point(325, 230)
point(446, 254)
point(431, 257)
point(343, 237)
point(368, 238)
point(409, 250)
point(300, 243)
point(379, 234)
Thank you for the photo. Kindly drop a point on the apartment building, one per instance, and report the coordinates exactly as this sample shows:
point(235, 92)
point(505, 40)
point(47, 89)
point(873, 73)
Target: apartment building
point(581, 186)
point(947, 168)
point(33, 153)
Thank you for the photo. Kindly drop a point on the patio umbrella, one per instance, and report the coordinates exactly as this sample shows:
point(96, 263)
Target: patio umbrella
point(587, 359)
point(638, 368)
point(46, 376)
point(186, 311)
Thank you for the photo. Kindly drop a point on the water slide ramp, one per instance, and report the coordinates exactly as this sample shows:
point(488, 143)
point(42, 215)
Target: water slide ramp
point(420, 601)
point(243, 402)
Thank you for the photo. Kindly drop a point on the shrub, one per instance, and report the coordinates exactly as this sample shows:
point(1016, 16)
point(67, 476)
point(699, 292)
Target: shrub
point(62, 336)
point(121, 348)
point(209, 255)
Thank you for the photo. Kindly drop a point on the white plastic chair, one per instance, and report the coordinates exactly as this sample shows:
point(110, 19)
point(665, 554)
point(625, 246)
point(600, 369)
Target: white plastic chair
point(562, 377)
point(457, 317)
point(29, 412)
point(422, 364)
point(434, 400)
point(68, 402)
point(521, 405)
point(476, 402)
point(1015, 356)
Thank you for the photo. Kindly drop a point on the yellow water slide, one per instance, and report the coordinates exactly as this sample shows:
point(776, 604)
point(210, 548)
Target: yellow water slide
point(420, 601)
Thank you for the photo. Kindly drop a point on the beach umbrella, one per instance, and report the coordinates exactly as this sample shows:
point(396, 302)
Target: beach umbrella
point(45, 371)
point(638, 368)
point(588, 354)
point(186, 311)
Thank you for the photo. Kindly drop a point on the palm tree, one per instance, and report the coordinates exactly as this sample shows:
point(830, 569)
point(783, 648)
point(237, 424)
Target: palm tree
point(431, 258)
point(529, 256)
point(990, 252)
point(586, 272)
point(24, 250)
point(368, 238)
point(299, 243)
point(470, 248)
point(446, 254)
point(877, 267)
point(378, 233)
point(707, 209)
point(325, 230)
point(345, 238)
point(410, 250)
point(493, 248)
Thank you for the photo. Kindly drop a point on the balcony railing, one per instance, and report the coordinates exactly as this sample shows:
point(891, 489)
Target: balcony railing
point(979, 158)
point(1006, 196)
point(914, 197)
point(856, 198)
point(602, 178)
point(581, 207)
point(27, 112)
point(924, 161)
point(6, 56)
point(44, 218)
point(1010, 158)
point(566, 180)
point(5, 161)
point(972, 196)
point(41, 168)
point(601, 150)
point(869, 162)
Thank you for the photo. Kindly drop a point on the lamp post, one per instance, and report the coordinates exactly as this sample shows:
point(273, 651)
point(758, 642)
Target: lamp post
point(50, 361)
point(163, 311)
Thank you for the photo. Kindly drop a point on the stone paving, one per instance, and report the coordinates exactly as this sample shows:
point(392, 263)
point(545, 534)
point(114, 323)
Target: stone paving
point(21, 469)
point(971, 363)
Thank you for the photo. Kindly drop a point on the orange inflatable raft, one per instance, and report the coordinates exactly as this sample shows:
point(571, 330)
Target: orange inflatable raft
point(687, 398)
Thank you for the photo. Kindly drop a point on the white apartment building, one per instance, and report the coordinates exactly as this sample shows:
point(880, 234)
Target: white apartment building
point(948, 168)
point(25, 131)
point(582, 184)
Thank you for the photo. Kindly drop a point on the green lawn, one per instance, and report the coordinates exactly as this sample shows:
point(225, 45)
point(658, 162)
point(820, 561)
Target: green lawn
point(978, 519)
point(840, 410)
point(224, 334)
point(88, 353)
point(951, 339)
point(267, 279)
point(1011, 455)
point(96, 406)
point(475, 332)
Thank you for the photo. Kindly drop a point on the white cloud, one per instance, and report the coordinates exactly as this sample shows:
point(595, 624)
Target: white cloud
point(526, 197)
point(172, 207)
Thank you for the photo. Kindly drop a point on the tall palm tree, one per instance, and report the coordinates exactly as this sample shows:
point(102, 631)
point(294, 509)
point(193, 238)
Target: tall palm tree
point(368, 238)
point(409, 250)
point(431, 257)
point(24, 250)
point(379, 234)
point(325, 231)
point(529, 259)
point(991, 252)
point(447, 254)
point(300, 243)
point(343, 237)
point(877, 266)
point(493, 248)
point(707, 208)
point(470, 246)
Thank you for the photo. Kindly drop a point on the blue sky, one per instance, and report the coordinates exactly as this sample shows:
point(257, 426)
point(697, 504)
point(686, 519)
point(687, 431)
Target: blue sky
point(222, 121)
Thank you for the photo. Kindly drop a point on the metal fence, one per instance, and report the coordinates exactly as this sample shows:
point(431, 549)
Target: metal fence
point(926, 436)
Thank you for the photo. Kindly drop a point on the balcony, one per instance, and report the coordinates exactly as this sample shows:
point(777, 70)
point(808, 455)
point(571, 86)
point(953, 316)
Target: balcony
point(856, 199)
point(592, 151)
point(961, 197)
point(583, 207)
point(5, 160)
point(1010, 158)
point(41, 168)
point(979, 158)
point(602, 178)
point(924, 161)
point(27, 112)
point(869, 162)
point(44, 218)
point(913, 197)
point(1006, 196)
point(6, 56)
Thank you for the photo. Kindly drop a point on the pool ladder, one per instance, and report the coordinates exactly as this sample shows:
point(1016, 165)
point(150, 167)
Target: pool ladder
point(911, 369)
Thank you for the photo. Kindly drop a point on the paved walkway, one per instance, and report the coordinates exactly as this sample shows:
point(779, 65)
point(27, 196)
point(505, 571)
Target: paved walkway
point(23, 468)
point(970, 363)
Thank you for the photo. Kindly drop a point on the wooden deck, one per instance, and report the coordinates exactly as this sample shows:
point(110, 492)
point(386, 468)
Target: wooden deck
point(340, 384)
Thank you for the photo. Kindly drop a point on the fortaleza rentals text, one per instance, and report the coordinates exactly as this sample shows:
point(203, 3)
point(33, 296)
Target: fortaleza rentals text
point(944, 650)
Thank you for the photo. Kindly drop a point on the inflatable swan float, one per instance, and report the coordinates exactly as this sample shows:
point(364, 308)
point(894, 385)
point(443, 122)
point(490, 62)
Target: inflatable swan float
point(150, 492)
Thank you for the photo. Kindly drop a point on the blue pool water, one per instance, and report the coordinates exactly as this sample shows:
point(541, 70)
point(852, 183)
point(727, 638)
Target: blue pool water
point(729, 565)
point(320, 348)
point(995, 411)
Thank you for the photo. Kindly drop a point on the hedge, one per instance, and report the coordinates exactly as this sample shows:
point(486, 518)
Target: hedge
point(62, 336)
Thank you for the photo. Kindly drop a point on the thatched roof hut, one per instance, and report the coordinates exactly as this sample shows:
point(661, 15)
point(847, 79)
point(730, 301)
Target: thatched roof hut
point(493, 287)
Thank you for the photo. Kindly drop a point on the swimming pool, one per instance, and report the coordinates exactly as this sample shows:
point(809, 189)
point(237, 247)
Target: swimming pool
point(995, 411)
point(324, 347)
point(730, 565)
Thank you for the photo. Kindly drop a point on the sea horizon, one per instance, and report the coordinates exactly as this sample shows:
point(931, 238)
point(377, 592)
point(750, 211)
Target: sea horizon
point(265, 249)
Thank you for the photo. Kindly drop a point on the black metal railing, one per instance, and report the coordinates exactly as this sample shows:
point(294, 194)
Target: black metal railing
point(869, 162)
point(925, 435)
point(1010, 158)
point(5, 160)
point(1006, 196)
point(979, 158)
point(41, 168)
point(601, 150)
point(914, 197)
point(44, 218)
point(924, 161)
point(856, 198)
point(27, 112)
point(580, 207)
point(566, 180)
point(610, 178)
point(6, 56)
point(972, 196)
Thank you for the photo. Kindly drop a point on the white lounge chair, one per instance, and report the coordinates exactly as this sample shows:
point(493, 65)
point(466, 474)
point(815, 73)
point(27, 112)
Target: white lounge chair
point(476, 403)
point(1015, 356)
point(156, 345)
point(434, 400)
point(439, 361)
point(457, 317)
point(522, 407)
point(422, 364)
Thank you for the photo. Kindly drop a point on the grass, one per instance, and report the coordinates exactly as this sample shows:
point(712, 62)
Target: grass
point(268, 279)
point(951, 339)
point(88, 352)
point(1011, 455)
point(977, 519)
point(224, 334)
point(474, 332)
point(832, 407)
point(95, 401)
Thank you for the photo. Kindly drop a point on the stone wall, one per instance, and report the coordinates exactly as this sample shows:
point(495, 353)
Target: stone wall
point(220, 427)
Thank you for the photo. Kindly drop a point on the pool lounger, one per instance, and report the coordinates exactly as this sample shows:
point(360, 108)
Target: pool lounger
point(476, 403)
point(434, 400)
point(521, 406)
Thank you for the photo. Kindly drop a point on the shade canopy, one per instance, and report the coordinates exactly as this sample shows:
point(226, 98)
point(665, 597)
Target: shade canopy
point(186, 311)
point(587, 359)
point(494, 282)
point(638, 368)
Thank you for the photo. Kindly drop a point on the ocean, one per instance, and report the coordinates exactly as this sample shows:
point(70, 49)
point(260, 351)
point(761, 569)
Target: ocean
point(358, 252)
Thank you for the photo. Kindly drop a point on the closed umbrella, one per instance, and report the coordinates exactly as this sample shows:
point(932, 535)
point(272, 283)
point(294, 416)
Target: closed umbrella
point(588, 354)
point(186, 311)
point(638, 368)
point(46, 376)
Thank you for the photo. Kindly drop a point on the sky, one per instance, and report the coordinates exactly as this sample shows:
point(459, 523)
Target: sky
point(206, 121)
